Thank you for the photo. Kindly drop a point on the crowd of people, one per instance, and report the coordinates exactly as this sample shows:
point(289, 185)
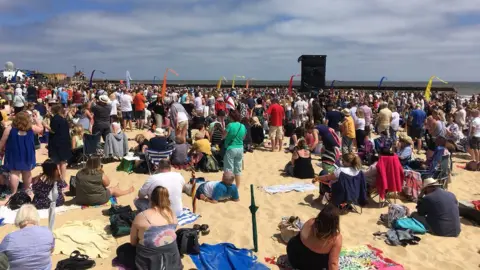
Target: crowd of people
point(206, 129)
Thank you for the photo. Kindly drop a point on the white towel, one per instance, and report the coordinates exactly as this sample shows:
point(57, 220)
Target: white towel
point(9, 215)
point(300, 187)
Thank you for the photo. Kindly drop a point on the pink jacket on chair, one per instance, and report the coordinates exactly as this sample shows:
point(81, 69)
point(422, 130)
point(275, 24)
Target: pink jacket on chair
point(389, 175)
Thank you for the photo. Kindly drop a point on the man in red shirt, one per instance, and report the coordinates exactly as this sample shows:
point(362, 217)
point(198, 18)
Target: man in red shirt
point(276, 115)
point(139, 102)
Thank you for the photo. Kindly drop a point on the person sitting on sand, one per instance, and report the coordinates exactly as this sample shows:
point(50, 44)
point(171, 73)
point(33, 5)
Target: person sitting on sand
point(213, 191)
point(172, 181)
point(351, 165)
point(31, 247)
point(319, 243)
point(438, 210)
point(301, 164)
point(92, 185)
point(180, 152)
point(160, 142)
point(45, 183)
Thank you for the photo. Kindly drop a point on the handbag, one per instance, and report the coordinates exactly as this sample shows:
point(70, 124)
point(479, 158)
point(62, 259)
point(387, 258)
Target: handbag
point(18, 199)
point(77, 261)
point(409, 224)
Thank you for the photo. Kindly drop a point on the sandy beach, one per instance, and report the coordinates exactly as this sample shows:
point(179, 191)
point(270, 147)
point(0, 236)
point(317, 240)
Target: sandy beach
point(231, 222)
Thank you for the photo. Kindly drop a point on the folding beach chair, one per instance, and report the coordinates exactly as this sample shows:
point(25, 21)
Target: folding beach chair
point(91, 142)
point(153, 158)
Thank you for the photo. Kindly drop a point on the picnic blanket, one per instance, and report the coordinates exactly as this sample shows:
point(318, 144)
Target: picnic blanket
point(225, 256)
point(111, 201)
point(299, 187)
point(89, 237)
point(358, 258)
point(187, 217)
point(9, 215)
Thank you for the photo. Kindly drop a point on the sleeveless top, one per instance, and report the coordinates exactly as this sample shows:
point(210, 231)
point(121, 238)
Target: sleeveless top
point(158, 236)
point(90, 189)
point(20, 151)
point(301, 257)
point(303, 168)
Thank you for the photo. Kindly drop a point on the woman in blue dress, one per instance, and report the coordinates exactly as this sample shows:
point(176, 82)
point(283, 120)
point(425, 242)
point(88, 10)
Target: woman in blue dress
point(19, 143)
point(60, 143)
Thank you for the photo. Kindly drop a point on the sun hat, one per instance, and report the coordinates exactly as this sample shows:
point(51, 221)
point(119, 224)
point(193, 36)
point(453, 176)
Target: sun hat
point(405, 138)
point(160, 132)
point(430, 182)
point(104, 99)
point(346, 112)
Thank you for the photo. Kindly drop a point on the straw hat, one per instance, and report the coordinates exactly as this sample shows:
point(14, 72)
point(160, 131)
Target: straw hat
point(346, 112)
point(104, 99)
point(160, 132)
point(405, 138)
point(430, 182)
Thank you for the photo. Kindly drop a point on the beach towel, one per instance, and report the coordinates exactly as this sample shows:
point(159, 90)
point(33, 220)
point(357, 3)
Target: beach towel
point(111, 201)
point(9, 215)
point(299, 187)
point(225, 256)
point(89, 237)
point(357, 258)
point(187, 217)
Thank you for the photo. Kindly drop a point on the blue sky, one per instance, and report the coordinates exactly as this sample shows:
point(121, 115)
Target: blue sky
point(206, 39)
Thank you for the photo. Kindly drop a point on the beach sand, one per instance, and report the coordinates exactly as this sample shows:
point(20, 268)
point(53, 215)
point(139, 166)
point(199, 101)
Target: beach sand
point(231, 222)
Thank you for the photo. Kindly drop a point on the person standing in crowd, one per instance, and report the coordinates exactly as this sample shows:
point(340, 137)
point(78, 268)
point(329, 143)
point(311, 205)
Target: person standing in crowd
point(63, 96)
point(461, 118)
point(19, 101)
point(114, 104)
point(59, 142)
point(475, 136)
point(233, 159)
point(139, 101)
point(384, 118)
point(31, 93)
point(348, 132)
point(126, 108)
point(276, 116)
point(333, 118)
point(360, 128)
point(300, 109)
point(395, 124)
point(101, 116)
point(367, 111)
point(158, 111)
point(18, 140)
point(416, 121)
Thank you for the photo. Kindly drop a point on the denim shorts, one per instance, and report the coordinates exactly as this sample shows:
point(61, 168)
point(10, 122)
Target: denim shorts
point(232, 161)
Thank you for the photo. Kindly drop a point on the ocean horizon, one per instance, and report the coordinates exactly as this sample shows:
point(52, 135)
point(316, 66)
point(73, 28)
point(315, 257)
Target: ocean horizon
point(463, 88)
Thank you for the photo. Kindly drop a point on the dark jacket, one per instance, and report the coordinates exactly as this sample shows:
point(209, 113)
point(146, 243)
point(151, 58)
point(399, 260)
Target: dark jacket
point(350, 189)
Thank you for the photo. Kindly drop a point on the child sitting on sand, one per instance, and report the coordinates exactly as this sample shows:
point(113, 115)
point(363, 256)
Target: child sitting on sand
point(180, 152)
point(43, 185)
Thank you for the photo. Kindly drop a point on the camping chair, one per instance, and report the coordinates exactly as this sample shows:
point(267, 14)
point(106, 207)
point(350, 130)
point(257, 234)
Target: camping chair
point(91, 143)
point(153, 158)
point(349, 192)
point(390, 176)
point(442, 173)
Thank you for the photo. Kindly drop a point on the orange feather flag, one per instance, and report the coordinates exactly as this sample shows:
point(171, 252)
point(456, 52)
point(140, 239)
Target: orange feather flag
point(164, 86)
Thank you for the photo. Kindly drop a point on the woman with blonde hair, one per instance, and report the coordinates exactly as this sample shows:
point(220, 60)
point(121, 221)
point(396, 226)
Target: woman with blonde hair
point(93, 186)
point(19, 143)
point(18, 246)
point(153, 242)
point(360, 128)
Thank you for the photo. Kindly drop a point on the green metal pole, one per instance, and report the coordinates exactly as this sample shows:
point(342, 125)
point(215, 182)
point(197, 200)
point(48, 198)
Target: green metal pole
point(253, 210)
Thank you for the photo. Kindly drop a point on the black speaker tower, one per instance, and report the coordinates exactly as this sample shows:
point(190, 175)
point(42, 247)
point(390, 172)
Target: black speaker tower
point(313, 72)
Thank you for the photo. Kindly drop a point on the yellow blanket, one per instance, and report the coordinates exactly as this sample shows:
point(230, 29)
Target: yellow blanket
point(88, 237)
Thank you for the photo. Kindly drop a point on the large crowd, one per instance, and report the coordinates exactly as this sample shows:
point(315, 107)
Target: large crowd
point(368, 139)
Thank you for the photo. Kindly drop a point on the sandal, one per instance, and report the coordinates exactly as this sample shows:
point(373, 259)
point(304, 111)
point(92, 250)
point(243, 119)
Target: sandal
point(205, 229)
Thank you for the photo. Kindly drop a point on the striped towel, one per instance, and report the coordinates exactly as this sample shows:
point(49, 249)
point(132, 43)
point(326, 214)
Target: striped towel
point(299, 187)
point(187, 217)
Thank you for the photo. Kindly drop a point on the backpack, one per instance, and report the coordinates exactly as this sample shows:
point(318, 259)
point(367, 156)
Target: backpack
point(187, 241)
point(18, 199)
point(409, 224)
point(121, 223)
point(77, 261)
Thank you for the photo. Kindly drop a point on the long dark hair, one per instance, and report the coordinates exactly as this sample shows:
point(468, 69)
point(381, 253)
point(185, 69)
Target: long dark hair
point(161, 202)
point(327, 223)
point(49, 170)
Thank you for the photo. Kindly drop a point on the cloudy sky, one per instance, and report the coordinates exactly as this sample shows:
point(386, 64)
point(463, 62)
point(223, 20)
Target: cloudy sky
point(206, 39)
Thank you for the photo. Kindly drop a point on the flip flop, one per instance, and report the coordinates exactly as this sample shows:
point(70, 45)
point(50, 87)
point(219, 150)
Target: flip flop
point(204, 229)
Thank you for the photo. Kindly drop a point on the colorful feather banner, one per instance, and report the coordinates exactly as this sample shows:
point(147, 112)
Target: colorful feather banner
point(219, 84)
point(234, 77)
point(164, 86)
point(290, 84)
point(381, 81)
point(91, 78)
point(248, 82)
point(429, 86)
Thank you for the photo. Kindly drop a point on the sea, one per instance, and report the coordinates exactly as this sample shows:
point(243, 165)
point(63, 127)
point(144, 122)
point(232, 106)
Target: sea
point(463, 88)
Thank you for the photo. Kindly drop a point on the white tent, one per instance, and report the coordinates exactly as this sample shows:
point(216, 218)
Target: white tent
point(9, 74)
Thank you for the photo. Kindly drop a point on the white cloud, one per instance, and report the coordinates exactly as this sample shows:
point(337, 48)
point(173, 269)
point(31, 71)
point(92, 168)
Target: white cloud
point(404, 40)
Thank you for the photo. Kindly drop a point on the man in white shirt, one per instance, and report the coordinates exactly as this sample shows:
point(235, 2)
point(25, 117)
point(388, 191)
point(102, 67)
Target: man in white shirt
point(460, 118)
point(126, 108)
point(300, 110)
point(172, 181)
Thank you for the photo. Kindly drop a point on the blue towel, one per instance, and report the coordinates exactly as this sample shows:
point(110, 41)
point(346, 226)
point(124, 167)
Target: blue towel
point(225, 256)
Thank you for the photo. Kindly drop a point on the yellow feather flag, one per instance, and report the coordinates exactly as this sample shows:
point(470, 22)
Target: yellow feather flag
point(428, 92)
